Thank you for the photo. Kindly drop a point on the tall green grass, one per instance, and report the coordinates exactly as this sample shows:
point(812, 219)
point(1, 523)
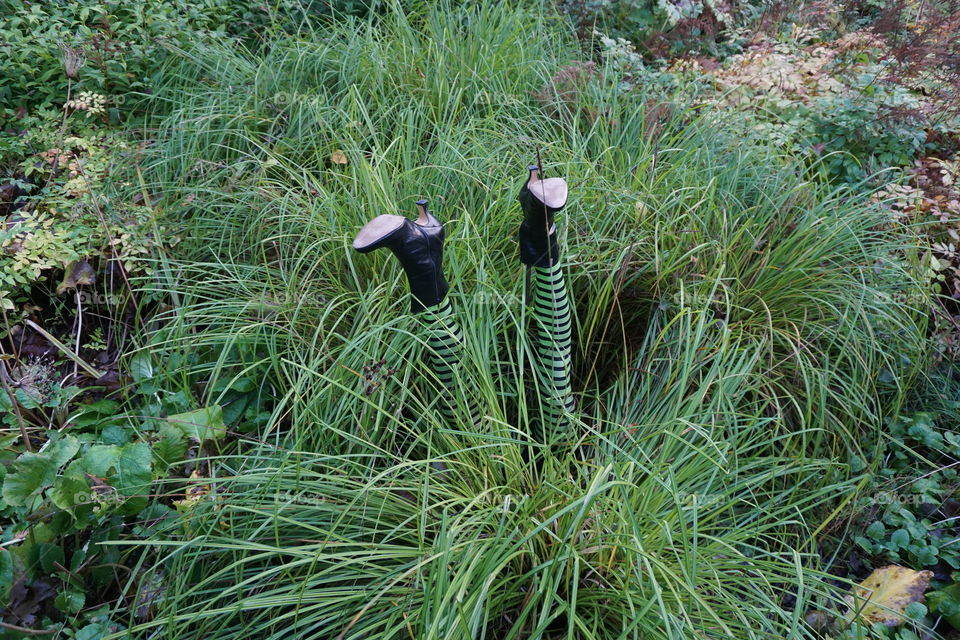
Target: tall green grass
point(740, 333)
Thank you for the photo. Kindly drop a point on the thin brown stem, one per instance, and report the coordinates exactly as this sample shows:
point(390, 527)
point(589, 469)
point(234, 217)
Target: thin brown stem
point(5, 381)
point(26, 631)
point(113, 249)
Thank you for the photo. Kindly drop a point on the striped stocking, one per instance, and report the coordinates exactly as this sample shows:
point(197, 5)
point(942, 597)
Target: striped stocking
point(445, 351)
point(551, 314)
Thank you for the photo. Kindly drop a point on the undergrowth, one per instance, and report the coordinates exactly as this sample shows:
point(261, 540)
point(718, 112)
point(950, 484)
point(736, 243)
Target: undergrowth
point(743, 328)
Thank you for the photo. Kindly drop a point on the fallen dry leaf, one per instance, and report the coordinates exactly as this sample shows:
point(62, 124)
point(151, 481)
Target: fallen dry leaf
point(886, 593)
point(193, 494)
point(99, 486)
point(77, 273)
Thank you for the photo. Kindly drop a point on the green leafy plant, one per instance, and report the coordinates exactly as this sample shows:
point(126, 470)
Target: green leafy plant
point(871, 127)
point(913, 524)
point(661, 27)
point(736, 334)
point(65, 218)
point(946, 601)
point(111, 47)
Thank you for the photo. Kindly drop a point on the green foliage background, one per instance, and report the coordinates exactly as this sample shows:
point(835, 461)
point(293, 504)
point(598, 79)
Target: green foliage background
point(750, 333)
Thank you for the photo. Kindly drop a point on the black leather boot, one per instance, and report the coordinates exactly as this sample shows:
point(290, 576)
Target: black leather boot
point(540, 199)
point(419, 247)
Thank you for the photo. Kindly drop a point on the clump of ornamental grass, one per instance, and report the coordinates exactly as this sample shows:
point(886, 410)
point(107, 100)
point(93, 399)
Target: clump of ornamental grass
point(741, 328)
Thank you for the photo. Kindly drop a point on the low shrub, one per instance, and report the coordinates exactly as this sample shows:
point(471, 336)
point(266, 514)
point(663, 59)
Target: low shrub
point(113, 48)
point(661, 28)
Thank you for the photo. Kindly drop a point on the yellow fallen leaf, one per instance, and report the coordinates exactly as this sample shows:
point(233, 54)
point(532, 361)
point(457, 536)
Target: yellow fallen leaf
point(193, 494)
point(338, 157)
point(886, 593)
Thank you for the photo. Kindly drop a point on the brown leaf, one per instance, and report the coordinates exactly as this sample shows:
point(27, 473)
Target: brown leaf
point(886, 593)
point(77, 273)
point(98, 485)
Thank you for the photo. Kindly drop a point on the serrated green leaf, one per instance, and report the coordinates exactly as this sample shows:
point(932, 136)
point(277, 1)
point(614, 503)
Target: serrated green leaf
point(202, 424)
point(134, 469)
point(63, 450)
point(33, 472)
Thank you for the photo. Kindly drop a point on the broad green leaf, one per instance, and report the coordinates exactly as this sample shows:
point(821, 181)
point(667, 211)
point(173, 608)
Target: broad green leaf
point(99, 459)
point(876, 530)
point(61, 396)
point(93, 631)
point(63, 450)
point(141, 366)
point(900, 538)
point(172, 445)
point(71, 489)
point(114, 434)
point(32, 473)
point(134, 469)
point(156, 517)
point(915, 610)
point(234, 405)
point(94, 413)
point(202, 424)
point(28, 397)
point(947, 603)
point(70, 600)
point(48, 554)
point(242, 385)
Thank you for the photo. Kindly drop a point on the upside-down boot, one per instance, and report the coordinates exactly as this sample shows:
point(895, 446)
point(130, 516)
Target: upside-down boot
point(540, 199)
point(419, 248)
point(418, 245)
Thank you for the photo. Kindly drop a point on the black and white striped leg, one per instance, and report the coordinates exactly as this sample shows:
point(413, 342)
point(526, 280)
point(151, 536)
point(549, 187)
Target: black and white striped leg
point(445, 352)
point(551, 314)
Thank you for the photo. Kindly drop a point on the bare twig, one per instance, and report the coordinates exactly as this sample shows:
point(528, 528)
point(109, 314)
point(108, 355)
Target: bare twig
point(26, 631)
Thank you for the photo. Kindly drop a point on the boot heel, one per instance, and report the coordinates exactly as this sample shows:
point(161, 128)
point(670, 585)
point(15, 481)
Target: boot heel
point(540, 199)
